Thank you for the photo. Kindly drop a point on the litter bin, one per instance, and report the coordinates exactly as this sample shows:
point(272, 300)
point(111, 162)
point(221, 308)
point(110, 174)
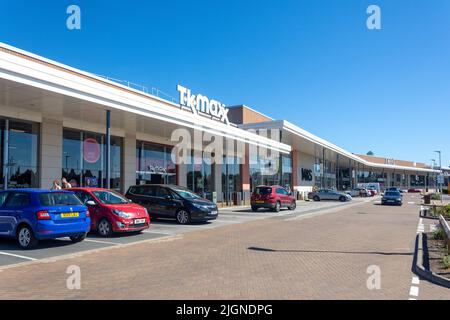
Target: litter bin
point(427, 199)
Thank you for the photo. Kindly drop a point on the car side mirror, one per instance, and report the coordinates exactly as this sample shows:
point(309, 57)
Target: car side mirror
point(129, 200)
point(91, 203)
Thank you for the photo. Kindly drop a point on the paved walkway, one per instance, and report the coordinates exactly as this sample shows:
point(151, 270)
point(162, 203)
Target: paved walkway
point(315, 255)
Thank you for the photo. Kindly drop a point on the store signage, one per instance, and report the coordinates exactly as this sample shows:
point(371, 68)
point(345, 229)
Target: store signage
point(200, 104)
point(307, 175)
point(91, 150)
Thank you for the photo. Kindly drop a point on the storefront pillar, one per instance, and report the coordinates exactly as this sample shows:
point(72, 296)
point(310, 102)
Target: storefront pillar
point(245, 174)
point(295, 167)
point(6, 155)
point(51, 152)
point(128, 176)
point(108, 149)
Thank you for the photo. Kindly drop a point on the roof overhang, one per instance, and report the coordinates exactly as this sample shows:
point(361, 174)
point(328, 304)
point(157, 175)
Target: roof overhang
point(31, 70)
point(295, 134)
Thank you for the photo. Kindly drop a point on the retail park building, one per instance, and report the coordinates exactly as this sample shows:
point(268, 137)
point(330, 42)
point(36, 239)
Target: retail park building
point(57, 121)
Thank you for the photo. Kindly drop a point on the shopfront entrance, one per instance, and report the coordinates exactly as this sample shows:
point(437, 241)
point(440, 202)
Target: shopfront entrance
point(19, 145)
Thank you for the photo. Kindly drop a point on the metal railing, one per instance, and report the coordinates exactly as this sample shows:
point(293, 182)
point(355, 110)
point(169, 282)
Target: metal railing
point(446, 228)
point(148, 90)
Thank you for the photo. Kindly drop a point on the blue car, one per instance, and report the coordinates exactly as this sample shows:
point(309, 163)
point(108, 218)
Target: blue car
point(30, 215)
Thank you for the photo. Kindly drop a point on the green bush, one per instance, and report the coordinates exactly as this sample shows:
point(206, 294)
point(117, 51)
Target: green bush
point(445, 211)
point(446, 262)
point(436, 196)
point(438, 234)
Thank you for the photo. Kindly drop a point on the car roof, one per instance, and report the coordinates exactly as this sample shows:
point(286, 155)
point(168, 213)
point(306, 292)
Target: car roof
point(88, 189)
point(33, 190)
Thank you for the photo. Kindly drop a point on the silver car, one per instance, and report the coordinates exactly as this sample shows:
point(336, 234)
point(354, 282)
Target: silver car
point(329, 194)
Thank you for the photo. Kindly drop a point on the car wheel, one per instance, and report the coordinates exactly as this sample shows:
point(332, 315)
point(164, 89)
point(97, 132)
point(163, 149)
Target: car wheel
point(104, 228)
point(277, 207)
point(254, 209)
point(78, 238)
point(26, 238)
point(316, 198)
point(183, 217)
point(293, 205)
point(342, 199)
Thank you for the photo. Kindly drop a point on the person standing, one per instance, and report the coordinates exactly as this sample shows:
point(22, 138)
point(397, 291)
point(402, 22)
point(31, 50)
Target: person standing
point(56, 185)
point(65, 184)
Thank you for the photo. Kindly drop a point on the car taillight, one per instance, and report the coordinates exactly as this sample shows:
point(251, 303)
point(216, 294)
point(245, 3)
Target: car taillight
point(88, 214)
point(43, 215)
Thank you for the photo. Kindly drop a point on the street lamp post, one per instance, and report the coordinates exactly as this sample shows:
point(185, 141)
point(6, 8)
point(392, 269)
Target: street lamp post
point(440, 168)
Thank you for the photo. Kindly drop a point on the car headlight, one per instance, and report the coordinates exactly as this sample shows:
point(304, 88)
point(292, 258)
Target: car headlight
point(121, 213)
point(199, 206)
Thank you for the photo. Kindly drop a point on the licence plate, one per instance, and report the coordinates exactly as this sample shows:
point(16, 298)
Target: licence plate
point(139, 221)
point(70, 215)
point(259, 201)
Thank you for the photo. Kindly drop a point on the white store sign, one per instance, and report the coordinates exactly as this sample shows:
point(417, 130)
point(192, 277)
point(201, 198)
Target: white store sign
point(200, 104)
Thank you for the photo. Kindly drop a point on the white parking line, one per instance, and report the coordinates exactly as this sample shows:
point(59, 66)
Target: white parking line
point(414, 291)
point(415, 280)
point(17, 256)
point(100, 241)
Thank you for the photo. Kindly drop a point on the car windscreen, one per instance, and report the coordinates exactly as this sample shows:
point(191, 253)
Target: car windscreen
point(186, 194)
point(263, 190)
point(110, 197)
point(59, 199)
point(392, 194)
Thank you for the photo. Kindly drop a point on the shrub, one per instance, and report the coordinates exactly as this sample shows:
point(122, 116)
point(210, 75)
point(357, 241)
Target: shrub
point(446, 262)
point(438, 234)
point(436, 196)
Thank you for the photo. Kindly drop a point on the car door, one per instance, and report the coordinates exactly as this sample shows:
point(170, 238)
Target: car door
point(94, 211)
point(284, 196)
point(163, 202)
point(146, 198)
point(4, 215)
point(15, 209)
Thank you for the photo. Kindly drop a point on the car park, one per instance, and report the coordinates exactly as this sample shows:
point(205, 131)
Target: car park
point(273, 198)
point(31, 215)
point(329, 194)
point(392, 197)
point(111, 212)
point(173, 202)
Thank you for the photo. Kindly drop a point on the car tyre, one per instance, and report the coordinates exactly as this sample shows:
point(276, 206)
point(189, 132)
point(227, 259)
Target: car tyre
point(104, 228)
point(78, 238)
point(293, 205)
point(254, 209)
point(277, 207)
point(342, 199)
point(26, 238)
point(316, 198)
point(183, 217)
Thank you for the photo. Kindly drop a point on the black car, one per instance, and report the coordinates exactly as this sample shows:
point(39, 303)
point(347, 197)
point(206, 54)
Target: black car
point(170, 201)
point(392, 197)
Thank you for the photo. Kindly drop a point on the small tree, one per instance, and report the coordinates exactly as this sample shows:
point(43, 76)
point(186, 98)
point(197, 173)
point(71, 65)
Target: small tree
point(370, 153)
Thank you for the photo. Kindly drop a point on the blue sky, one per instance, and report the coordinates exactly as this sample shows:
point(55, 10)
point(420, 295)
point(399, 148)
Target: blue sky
point(312, 62)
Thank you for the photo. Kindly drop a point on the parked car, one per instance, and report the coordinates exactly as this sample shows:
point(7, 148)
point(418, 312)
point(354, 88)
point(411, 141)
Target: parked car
point(372, 191)
point(414, 190)
point(30, 215)
point(329, 194)
point(272, 197)
point(171, 201)
point(357, 192)
point(392, 197)
point(111, 212)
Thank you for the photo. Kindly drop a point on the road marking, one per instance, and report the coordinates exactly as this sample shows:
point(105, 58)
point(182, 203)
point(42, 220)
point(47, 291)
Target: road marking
point(411, 202)
point(17, 256)
point(414, 291)
point(415, 280)
point(412, 299)
point(103, 242)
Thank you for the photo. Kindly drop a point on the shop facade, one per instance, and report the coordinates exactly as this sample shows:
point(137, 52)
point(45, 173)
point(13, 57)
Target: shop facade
point(56, 121)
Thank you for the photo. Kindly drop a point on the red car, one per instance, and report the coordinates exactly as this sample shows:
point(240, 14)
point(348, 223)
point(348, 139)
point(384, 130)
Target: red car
point(414, 190)
point(272, 197)
point(111, 212)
